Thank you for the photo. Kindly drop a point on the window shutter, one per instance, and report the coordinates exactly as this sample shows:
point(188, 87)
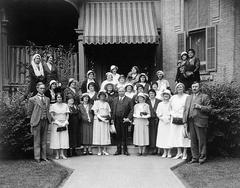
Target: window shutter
point(181, 38)
point(211, 48)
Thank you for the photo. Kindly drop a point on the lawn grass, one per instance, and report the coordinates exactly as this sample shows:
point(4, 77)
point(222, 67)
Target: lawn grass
point(29, 174)
point(216, 173)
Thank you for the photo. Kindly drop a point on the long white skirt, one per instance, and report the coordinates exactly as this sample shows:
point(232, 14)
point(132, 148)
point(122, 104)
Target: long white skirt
point(58, 140)
point(176, 138)
point(101, 133)
point(163, 135)
point(141, 132)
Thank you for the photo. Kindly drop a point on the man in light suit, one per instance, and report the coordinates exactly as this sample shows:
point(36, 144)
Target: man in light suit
point(121, 115)
point(38, 112)
point(195, 117)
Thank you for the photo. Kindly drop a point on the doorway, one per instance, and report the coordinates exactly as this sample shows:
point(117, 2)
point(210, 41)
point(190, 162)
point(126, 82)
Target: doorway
point(125, 56)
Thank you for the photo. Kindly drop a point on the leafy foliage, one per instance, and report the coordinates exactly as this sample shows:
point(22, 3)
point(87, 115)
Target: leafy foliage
point(224, 121)
point(15, 135)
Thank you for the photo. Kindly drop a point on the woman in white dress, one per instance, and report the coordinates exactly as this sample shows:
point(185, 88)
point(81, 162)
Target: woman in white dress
point(107, 81)
point(113, 70)
point(177, 139)
point(163, 113)
point(162, 83)
point(101, 133)
point(141, 114)
point(59, 139)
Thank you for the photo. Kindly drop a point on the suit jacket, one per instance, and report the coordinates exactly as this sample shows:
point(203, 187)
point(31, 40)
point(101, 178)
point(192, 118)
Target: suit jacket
point(35, 110)
point(153, 109)
point(200, 116)
point(127, 108)
point(50, 74)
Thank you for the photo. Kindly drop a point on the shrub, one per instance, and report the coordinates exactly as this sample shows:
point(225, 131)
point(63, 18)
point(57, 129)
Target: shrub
point(224, 127)
point(15, 135)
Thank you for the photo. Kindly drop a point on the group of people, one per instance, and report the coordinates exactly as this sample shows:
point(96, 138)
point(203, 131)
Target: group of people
point(90, 115)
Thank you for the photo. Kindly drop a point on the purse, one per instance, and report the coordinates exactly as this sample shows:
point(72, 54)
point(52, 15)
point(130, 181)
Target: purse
point(177, 121)
point(112, 129)
point(60, 129)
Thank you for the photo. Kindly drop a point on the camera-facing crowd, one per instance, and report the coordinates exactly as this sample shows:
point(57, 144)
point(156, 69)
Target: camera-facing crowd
point(103, 114)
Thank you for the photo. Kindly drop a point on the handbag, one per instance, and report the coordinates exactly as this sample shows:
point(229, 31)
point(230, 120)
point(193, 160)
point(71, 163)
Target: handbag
point(177, 121)
point(112, 128)
point(60, 129)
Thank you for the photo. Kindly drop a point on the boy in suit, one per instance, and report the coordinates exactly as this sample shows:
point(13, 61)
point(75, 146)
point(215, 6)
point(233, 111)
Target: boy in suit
point(38, 112)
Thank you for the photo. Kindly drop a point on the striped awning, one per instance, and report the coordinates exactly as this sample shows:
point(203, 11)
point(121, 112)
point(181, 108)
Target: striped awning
point(128, 22)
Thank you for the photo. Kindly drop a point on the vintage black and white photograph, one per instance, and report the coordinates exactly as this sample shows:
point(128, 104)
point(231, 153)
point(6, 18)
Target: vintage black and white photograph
point(119, 93)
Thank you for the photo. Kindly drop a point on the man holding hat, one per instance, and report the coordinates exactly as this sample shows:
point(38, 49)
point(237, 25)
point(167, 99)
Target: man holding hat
point(121, 115)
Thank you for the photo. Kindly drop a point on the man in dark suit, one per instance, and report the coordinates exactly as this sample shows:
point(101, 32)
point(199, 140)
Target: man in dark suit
point(196, 112)
point(121, 115)
point(38, 112)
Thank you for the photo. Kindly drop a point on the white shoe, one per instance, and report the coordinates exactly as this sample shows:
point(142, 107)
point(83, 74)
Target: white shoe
point(164, 155)
point(99, 153)
point(169, 156)
point(184, 157)
point(105, 153)
point(63, 157)
point(178, 156)
point(57, 157)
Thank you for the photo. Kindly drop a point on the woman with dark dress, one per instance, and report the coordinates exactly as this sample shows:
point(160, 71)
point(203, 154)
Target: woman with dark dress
point(153, 120)
point(50, 70)
point(192, 67)
point(143, 78)
point(181, 76)
point(133, 75)
point(74, 128)
point(51, 92)
point(90, 79)
point(72, 92)
point(92, 92)
point(86, 116)
point(36, 74)
point(111, 93)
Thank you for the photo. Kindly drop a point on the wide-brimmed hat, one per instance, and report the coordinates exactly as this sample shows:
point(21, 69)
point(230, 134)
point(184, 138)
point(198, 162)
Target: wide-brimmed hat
point(160, 72)
point(102, 92)
point(71, 80)
point(85, 95)
point(129, 84)
point(167, 91)
point(142, 95)
point(142, 74)
point(184, 53)
point(113, 67)
point(105, 87)
point(52, 82)
point(90, 71)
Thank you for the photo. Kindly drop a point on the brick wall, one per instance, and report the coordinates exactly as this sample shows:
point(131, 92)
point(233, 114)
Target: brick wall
point(224, 13)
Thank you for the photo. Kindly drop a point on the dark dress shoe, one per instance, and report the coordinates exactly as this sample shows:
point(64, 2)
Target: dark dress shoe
point(193, 161)
point(126, 153)
point(117, 153)
point(139, 154)
point(37, 160)
point(201, 161)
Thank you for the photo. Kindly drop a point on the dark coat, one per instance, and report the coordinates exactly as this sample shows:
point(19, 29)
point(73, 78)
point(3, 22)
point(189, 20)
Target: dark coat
point(153, 109)
point(69, 93)
point(50, 74)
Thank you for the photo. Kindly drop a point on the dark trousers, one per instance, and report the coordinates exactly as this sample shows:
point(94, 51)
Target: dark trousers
point(122, 133)
point(40, 139)
point(198, 141)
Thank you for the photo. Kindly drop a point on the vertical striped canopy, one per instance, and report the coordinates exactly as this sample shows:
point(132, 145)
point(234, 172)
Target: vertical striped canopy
point(120, 22)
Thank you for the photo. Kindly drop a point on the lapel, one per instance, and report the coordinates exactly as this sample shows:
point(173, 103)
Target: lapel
point(38, 101)
point(156, 104)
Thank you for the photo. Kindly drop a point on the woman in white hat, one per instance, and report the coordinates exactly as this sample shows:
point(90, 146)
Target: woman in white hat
point(141, 113)
point(86, 116)
point(129, 90)
point(164, 115)
point(113, 70)
point(162, 83)
point(36, 74)
point(177, 139)
point(101, 132)
point(109, 79)
point(90, 79)
point(51, 92)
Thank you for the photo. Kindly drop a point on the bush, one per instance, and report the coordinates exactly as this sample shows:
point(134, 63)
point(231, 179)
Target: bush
point(15, 135)
point(224, 120)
